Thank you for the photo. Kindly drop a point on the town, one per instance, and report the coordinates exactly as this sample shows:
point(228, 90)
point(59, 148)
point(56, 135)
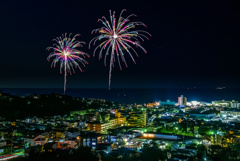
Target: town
point(38, 127)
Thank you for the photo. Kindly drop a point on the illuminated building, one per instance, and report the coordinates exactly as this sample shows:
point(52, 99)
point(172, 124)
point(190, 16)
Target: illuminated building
point(90, 139)
point(120, 120)
point(138, 119)
point(202, 115)
point(216, 139)
point(182, 101)
point(97, 126)
point(34, 139)
point(117, 114)
point(230, 112)
point(230, 104)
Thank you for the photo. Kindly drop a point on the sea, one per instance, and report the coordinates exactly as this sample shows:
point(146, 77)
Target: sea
point(136, 95)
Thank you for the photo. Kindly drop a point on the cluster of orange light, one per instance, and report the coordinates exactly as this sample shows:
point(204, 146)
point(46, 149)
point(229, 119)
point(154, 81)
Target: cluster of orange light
point(148, 135)
point(153, 104)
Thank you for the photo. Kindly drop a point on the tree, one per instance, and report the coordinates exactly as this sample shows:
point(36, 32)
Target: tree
point(20, 159)
point(203, 130)
point(83, 154)
point(152, 152)
point(201, 151)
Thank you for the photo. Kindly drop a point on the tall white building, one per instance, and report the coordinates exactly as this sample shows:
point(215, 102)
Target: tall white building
point(182, 101)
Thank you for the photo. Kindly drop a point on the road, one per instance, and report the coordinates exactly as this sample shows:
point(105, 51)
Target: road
point(11, 156)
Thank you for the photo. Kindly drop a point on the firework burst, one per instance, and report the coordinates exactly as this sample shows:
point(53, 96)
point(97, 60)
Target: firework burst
point(66, 53)
point(120, 37)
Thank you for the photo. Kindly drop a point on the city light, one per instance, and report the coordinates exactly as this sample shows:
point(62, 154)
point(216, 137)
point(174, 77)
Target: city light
point(180, 102)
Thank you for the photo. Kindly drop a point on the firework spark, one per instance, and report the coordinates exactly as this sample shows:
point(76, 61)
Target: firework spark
point(66, 53)
point(118, 36)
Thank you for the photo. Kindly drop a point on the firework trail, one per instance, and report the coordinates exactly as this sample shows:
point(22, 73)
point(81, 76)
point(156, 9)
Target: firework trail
point(121, 37)
point(66, 53)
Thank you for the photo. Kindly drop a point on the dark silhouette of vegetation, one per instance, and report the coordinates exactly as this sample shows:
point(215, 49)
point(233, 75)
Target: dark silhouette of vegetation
point(152, 152)
point(201, 151)
point(80, 154)
point(17, 107)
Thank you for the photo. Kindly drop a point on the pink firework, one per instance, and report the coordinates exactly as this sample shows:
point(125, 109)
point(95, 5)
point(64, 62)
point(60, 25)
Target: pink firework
point(66, 53)
point(120, 37)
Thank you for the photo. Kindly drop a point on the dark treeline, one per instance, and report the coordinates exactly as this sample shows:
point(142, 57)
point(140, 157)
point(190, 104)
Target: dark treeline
point(149, 153)
point(17, 107)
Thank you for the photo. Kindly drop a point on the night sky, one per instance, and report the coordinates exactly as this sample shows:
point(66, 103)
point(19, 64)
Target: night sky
point(193, 43)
